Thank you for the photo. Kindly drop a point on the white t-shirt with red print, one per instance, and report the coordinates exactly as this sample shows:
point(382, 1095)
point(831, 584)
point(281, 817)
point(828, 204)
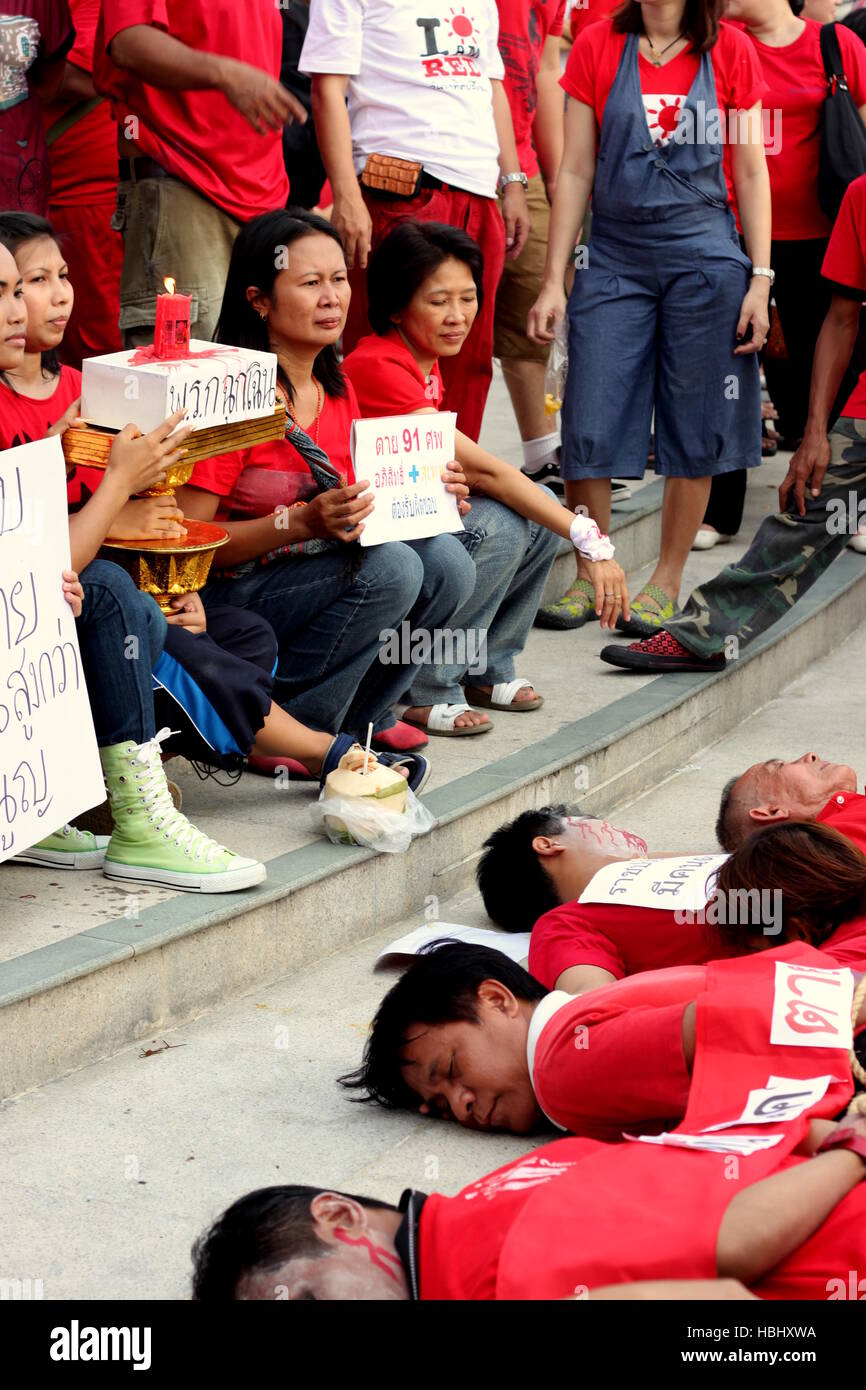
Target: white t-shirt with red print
point(419, 81)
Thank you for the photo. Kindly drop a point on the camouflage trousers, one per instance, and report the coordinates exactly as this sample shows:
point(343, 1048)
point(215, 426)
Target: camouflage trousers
point(789, 553)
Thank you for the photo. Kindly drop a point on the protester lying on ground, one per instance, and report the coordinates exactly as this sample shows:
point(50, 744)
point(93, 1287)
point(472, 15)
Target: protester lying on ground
point(804, 789)
point(571, 1220)
point(467, 1034)
point(819, 499)
point(425, 289)
point(294, 510)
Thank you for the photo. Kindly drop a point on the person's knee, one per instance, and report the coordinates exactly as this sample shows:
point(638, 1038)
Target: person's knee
point(394, 575)
point(449, 571)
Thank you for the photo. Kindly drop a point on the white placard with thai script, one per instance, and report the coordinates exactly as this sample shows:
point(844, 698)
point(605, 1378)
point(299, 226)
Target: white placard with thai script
point(783, 1098)
point(742, 1144)
point(684, 883)
point(403, 458)
point(812, 1007)
point(515, 945)
point(49, 761)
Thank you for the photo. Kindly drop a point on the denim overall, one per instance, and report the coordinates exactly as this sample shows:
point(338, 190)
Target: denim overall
point(652, 317)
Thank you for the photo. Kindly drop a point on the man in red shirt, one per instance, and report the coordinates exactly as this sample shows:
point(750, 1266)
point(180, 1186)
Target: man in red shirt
point(35, 36)
point(529, 42)
point(807, 788)
point(200, 112)
point(822, 499)
point(571, 1220)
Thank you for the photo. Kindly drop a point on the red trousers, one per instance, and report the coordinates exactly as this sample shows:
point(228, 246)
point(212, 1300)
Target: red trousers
point(467, 376)
point(94, 254)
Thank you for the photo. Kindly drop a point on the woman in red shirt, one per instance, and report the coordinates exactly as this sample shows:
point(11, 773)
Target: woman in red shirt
point(789, 50)
point(667, 314)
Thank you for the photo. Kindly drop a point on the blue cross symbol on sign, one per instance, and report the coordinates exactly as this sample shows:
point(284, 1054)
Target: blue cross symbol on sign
point(414, 474)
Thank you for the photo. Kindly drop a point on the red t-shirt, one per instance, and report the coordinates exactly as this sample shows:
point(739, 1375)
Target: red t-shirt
point(254, 482)
point(84, 159)
point(33, 34)
point(796, 89)
point(845, 264)
point(846, 811)
point(523, 31)
point(24, 420)
point(199, 136)
point(585, 12)
point(388, 380)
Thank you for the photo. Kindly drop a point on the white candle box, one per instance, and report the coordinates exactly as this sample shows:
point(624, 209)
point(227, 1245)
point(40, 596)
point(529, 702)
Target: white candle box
point(221, 386)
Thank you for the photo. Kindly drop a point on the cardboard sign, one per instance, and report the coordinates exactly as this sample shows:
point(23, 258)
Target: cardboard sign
point(49, 761)
point(403, 457)
point(812, 1007)
point(684, 883)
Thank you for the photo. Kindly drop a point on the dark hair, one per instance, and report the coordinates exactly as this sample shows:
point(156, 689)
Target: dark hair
point(255, 260)
point(798, 6)
point(819, 873)
point(406, 257)
point(727, 830)
point(700, 21)
point(440, 986)
point(260, 1231)
point(511, 877)
point(16, 228)
point(855, 21)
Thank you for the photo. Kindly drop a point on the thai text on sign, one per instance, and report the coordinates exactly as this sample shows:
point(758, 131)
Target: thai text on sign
point(403, 458)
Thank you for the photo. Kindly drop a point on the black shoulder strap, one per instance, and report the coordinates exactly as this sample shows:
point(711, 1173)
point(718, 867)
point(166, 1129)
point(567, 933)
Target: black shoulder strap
point(831, 53)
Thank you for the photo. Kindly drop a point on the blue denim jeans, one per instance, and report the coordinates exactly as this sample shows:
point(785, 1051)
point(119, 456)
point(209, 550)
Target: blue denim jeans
point(121, 634)
point(512, 558)
point(330, 622)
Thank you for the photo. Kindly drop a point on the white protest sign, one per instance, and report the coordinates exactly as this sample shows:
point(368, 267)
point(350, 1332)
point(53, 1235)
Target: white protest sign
point(783, 1098)
point(812, 1007)
point(742, 1144)
point(49, 761)
point(403, 457)
point(515, 945)
point(684, 883)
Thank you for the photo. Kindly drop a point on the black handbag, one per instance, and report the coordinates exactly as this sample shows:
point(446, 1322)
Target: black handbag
point(842, 156)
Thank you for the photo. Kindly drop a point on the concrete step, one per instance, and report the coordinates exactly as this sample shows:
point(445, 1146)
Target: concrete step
point(76, 1000)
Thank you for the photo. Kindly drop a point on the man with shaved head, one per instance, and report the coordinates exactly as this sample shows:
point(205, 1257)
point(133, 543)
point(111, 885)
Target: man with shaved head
point(806, 788)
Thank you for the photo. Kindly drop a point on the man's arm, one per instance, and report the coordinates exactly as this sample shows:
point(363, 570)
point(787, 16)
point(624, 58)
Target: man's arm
point(715, 1290)
point(548, 128)
point(832, 354)
point(515, 213)
point(162, 61)
point(334, 134)
point(578, 979)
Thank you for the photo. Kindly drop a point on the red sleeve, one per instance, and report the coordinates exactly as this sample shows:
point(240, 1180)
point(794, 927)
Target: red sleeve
point(385, 381)
point(737, 68)
point(844, 262)
point(220, 474)
point(599, 1072)
point(854, 62)
point(86, 20)
point(122, 14)
point(558, 20)
point(568, 936)
point(581, 69)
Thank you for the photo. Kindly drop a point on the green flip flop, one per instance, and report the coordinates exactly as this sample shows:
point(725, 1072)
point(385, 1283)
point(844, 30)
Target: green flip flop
point(576, 607)
point(645, 621)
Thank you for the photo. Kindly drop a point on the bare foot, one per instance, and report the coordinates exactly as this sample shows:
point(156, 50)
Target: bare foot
point(419, 714)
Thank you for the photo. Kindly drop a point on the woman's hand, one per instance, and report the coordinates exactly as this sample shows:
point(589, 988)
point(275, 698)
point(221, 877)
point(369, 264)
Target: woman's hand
point(337, 515)
point(611, 591)
point(755, 310)
point(68, 418)
point(148, 518)
point(546, 314)
point(73, 592)
point(455, 481)
point(187, 611)
point(141, 461)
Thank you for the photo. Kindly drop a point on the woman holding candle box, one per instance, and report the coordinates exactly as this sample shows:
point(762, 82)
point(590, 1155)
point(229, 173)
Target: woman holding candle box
point(294, 509)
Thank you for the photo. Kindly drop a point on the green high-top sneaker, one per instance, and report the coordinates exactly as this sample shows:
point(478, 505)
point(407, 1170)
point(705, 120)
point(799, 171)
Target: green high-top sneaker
point(67, 848)
point(153, 842)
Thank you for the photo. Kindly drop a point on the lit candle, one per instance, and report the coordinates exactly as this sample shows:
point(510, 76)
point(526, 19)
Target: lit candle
point(171, 335)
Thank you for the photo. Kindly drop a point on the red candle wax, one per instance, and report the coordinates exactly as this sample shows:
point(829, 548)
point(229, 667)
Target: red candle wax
point(171, 335)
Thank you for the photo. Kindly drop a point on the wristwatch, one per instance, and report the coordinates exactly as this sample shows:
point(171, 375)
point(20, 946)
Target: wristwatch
point(506, 179)
point(764, 270)
point(847, 1138)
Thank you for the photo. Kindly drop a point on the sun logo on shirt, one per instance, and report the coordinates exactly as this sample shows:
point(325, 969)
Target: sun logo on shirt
point(462, 26)
point(666, 116)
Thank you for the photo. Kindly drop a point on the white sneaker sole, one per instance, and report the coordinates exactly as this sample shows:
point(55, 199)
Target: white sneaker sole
point(230, 882)
point(56, 859)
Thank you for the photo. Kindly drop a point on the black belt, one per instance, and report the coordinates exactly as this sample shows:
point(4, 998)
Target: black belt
point(428, 181)
point(141, 167)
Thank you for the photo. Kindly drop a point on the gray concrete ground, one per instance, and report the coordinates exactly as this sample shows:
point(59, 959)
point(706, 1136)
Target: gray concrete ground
point(39, 907)
point(108, 1174)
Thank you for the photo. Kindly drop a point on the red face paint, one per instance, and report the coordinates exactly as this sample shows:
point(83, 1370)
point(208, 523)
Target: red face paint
point(377, 1254)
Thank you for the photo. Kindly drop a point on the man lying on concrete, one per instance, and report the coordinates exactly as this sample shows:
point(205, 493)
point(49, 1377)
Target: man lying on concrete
point(572, 1220)
point(805, 789)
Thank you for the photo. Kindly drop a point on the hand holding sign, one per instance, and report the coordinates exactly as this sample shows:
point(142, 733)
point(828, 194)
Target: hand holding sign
point(405, 457)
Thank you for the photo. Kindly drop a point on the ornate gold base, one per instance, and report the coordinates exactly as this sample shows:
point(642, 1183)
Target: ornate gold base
point(166, 569)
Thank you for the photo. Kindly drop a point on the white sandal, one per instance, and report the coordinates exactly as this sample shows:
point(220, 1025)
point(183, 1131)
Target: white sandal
point(502, 696)
point(442, 719)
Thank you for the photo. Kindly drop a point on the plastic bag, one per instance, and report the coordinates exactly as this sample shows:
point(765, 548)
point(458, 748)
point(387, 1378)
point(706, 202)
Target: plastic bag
point(367, 821)
point(557, 371)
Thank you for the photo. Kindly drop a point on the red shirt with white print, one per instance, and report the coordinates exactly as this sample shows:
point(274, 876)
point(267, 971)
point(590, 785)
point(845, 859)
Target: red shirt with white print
point(524, 28)
point(34, 34)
